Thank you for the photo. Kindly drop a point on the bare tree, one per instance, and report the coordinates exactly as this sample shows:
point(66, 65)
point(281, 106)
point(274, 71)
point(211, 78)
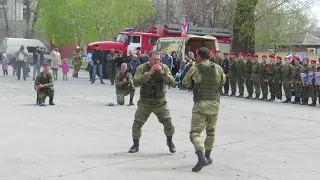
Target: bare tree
point(3, 4)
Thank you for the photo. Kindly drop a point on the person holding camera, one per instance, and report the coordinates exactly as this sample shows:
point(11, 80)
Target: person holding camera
point(37, 62)
point(22, 61)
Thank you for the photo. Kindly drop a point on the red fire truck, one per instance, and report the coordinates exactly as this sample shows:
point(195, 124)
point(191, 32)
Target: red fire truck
point(130, 40)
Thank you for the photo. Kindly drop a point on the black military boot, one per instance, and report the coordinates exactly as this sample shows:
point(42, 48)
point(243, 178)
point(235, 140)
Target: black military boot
point(296, 101)
point(314, 103)
point(51, 101)
point(232, 94)
point(135, 147)
point(249, 96)
point(272, 98)
point(131, 101)
point(102, 82)
point(257, 97)
point(202, 161)
point(286, 101)
point(240, 95)
point(304, 102)
point(172, 147)
point(207, 155)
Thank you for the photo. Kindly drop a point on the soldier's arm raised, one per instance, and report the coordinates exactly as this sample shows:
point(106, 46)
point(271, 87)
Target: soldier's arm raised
point(188, 78)
point(141, 77)
point(167, 76)
point(50, 83)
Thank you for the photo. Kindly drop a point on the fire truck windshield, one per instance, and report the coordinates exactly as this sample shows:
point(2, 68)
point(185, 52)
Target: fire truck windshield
point(122, 38)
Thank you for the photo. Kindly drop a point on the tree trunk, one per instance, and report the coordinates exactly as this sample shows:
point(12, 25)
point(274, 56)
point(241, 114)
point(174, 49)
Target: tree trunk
point(28, 17)
point(244, 27)
point(34, 21)
point(5, 13)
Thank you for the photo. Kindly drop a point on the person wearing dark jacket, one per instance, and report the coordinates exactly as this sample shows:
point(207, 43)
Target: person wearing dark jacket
point(37, 62)
point(97, 58)
point(225, 67)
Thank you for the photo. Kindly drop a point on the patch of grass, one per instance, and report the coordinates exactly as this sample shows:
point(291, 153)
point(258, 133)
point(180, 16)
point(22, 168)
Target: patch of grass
point(84, 64)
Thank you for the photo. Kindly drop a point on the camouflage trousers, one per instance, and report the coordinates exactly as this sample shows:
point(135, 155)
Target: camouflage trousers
point(287, 88)
point(278, 88)
point(240, 82)
point(233, 84)
point(42, 94)
point(272, 89)
point(200, 122)
point(305, 92)
point(76, 70)
point(313, 92)
point(122, 94)
point(297, 87)
point(264, 87)
point(249, 85)
point(111, 73)
point(145, 108)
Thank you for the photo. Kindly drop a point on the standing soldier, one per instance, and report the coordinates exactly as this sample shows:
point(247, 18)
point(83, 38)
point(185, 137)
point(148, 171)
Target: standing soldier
point(225, 67)
point(264, 78)
point(286, 79)
point(256, 75)
point(313, 87)
point(111, 65)
point(232, 74)
point(152, 77)
point(249, 84)
point(296, 80)
point(124, 85)
point(271, 78)
point(241, 70)
point(212, 53)
point(305, 89)
point(217, 59)
point(77, 62)
point(278, 71)
point(205, 79)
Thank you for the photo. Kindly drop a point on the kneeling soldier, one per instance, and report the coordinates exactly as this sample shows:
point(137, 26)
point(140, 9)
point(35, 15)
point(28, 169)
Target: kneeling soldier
point(124, 85)
point(44, 85)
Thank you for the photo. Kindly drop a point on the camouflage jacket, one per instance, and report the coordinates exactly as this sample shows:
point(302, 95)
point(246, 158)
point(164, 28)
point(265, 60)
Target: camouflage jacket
point(241, 69)
point(111, 60)
point(118, 80)
point(263, 71)
point(296, 72)
point(248, 69)
point(232, 68)
point(278, 71)
point(270, 71)
point(255, 71)
point(77, 58)
point(193, 77)
point(47, 81)
point(218, 60)
point(287, 72)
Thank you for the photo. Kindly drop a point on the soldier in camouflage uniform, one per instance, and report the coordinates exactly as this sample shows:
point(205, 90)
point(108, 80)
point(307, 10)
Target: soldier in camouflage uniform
point(212, 55)
point(241, 70)
point(111, 65)
point(286, 79)
point(233, 74)
point(218, 59)
point(249, 83)
point(124, 85)
point(271, 78)
point(152, 77)
point(278, 71)
point(264, 78)
point(305, 89)
point(255, 76)
point(205, 79)
point(44, 86)
point(312, 85)
point(77, 61)
point(296, 80)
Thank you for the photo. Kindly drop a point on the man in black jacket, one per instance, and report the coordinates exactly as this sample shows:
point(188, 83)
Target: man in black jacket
point(97, 58)
point(37, 62)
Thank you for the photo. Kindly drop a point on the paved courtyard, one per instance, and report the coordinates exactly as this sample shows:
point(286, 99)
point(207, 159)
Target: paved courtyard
point(81, 138)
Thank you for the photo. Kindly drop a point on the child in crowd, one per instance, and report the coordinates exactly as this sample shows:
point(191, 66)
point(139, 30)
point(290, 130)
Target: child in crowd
point(5, 64)
point(65, 69)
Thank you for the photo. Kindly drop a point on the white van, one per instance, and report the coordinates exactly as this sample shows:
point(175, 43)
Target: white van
point(12, 45)
point(182, 45)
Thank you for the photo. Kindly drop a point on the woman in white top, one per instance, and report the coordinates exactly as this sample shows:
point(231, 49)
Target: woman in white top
point(55, 63)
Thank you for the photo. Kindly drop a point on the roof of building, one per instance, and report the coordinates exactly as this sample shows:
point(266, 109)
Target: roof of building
point(305, 39)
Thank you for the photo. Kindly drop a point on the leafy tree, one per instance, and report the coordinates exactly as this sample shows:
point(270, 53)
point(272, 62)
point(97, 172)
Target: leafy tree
point(73, 20)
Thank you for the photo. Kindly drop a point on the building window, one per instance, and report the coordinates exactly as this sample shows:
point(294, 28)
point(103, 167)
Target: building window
point(24, 14)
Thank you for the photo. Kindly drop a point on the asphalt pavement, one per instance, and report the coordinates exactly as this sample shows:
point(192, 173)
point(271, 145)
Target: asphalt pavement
point(81, 138)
